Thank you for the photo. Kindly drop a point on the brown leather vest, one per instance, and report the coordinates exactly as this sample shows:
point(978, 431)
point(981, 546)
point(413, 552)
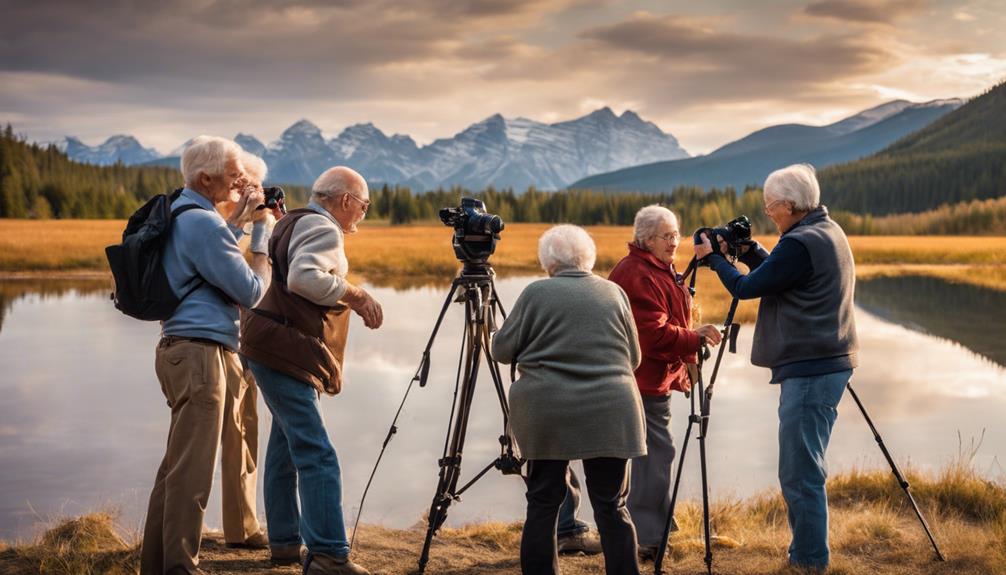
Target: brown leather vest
point(290, 334)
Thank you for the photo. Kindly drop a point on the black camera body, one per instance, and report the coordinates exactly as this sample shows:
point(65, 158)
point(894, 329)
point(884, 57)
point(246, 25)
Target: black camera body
point(274, 197)
point(475, 232)
point(736, 233)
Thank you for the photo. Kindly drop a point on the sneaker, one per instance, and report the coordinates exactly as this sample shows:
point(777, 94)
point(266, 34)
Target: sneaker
point(256, 541)
point(586, 542)
point(321, 564)
point(292, 554)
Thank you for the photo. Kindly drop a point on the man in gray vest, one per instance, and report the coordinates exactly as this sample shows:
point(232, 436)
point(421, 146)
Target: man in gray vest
point(806, 334)
point(294, 342)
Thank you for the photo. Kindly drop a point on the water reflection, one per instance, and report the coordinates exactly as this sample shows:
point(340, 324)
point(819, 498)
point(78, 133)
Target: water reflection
point(83, 421)
point(972, 316)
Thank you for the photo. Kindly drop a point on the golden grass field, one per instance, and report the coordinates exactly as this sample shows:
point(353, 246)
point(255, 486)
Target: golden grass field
point(872, 531)
point(403, 256)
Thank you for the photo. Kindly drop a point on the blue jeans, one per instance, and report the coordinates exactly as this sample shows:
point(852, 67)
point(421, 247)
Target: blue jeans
point(568, 523)
point(807, 413)
point(300, 459)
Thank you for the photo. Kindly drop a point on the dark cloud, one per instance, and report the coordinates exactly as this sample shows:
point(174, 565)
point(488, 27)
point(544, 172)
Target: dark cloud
point(878, 11)
point(690, 54)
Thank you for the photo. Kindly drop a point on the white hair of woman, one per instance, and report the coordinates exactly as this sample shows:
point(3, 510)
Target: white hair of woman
point(254, 166)
point(647, 223)
point(565, 248)
point(336, 181)
point(796, 184)
point(208, 155)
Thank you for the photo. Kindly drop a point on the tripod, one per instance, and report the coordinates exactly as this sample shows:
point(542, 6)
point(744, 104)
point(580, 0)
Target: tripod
point(703, 395)
point(474, 286)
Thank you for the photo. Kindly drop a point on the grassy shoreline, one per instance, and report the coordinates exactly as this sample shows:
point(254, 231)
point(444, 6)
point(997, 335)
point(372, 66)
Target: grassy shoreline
point(872, 531)
point(421, 255)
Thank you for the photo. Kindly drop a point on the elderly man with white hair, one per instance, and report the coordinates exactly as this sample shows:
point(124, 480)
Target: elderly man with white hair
point(196, 358)
point(662, 311)
point(574, 342)
point(806, 334)
point(294, 342)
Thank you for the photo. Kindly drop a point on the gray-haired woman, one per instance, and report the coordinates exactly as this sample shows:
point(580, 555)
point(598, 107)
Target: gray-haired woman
point(575, 344)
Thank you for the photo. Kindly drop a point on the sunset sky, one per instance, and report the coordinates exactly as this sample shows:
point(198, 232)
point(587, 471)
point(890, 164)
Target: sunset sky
point(707, 72)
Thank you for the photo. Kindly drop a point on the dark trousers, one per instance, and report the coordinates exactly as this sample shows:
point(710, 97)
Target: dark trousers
point(607, 487)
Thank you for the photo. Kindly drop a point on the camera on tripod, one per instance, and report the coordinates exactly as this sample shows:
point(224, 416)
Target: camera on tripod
point(736, 233)
point(475, 231)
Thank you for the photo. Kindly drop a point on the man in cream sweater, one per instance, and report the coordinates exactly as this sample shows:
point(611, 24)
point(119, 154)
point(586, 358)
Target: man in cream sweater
point(294, 342)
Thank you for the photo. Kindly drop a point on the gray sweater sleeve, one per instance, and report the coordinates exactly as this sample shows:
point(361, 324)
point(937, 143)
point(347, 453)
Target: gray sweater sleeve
point(316, 260)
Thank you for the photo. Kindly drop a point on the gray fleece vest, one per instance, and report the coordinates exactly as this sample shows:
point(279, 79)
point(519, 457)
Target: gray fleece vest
point(815, 319)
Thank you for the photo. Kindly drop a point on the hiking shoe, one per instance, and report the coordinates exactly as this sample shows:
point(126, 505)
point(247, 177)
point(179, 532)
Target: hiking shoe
point(321, 564)
point(292, 554)
point(586, 542)
point(256, 541)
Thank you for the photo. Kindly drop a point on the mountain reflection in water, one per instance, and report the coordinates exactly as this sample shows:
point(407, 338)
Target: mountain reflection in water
point(972, 316)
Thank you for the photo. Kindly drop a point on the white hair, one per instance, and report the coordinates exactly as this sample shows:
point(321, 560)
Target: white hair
point(566, 247)
point(648, 221)
point(796, 184)
point(336, 181)
point(208, 155)
point(254, 166)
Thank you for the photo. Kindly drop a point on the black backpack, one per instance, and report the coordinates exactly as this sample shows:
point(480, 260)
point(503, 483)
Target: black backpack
point(141, 285)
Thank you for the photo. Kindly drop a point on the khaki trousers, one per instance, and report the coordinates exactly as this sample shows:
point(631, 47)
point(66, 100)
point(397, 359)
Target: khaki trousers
point(193, 377)
point(239, 456)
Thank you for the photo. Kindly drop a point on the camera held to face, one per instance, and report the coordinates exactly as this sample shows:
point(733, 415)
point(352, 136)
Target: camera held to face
point(274, 197)
point(736, 233)
point(475, 231)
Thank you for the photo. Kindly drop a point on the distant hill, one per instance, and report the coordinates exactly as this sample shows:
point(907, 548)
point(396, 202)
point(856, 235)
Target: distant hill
point(116, 149)
point(960, 157)
point(749, 160)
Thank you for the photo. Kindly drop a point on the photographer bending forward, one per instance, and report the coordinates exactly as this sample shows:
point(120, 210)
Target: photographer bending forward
point(574, 342)
point(806, 333)
point(294, 342)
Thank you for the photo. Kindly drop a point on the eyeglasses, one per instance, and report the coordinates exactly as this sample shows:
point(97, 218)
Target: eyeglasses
point(768, 206)
point(671, 237)
point(366, 203)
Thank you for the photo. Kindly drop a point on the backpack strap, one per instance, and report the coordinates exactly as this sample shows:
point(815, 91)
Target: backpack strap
point(197, 280)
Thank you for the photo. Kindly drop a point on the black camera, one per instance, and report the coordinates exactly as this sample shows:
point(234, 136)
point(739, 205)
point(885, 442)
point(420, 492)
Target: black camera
point(475, 232)
point(736, 233)
point(274, 197)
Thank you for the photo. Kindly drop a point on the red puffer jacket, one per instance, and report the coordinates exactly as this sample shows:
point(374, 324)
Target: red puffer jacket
point(662, 310)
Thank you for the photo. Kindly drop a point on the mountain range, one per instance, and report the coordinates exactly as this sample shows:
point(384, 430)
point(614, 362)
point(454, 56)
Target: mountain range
point(749, 160)
point(501, 152)
point(600, 150)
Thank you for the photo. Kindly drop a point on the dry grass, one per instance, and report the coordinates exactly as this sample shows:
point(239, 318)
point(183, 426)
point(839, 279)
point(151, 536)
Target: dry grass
point(406, 256)
point(80, 546)
point(872, 531)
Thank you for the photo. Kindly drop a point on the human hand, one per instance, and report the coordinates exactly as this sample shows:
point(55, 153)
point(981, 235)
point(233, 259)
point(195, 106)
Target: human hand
point(366, 307)
point(711, 333)
point(704, 249)
point(245, 209)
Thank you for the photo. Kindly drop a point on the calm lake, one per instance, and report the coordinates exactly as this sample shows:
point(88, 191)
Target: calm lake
point(83, 422)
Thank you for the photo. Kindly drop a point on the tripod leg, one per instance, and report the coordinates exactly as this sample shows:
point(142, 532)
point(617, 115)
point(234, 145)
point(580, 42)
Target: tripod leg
point(450, 464)
point(705, 501)
point(662, 547)
point(902, 482)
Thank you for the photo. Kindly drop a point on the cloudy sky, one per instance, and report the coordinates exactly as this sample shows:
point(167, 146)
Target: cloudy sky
point(707, 72)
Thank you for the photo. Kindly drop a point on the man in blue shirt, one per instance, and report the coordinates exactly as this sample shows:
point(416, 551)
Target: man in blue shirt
point(196, 357)
point(806, 334)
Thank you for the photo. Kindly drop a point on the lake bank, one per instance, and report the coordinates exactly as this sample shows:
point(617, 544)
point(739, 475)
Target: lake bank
point(873, 530)
point(421, 256)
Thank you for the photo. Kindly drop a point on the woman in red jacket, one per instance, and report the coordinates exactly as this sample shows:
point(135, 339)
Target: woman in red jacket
point(661, 307)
